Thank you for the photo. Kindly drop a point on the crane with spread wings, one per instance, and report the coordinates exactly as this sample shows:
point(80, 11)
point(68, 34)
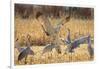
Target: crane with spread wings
point(52, 31)
point(71, 45)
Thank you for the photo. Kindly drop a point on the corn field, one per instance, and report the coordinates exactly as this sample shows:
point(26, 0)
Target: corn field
point(39, 40)
point(39, 29)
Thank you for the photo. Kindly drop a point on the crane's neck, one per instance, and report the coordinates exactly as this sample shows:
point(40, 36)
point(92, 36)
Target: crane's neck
point(68, 37)
point(89, 41)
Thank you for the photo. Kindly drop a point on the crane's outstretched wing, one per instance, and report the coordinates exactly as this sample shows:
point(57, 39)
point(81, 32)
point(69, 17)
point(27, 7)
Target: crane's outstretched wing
point(30, 52)
point(19, 48)
point(45, 30)
point(79, 41)
point(74, 44)
point(61, 23)
point(22, 54)
point(49, 29)
point(25, 52)
point(48, 48)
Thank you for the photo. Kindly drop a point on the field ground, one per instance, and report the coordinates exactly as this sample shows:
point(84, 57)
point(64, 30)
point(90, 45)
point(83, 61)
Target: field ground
point(81, 54)
point(78, 28)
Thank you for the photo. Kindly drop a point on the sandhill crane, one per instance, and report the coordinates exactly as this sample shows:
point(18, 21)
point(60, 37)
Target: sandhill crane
point(27, 51)
point(77, 42)
point(74, 44)
point(52, 31)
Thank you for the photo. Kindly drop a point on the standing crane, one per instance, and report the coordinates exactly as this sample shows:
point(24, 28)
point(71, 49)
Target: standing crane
point(25, 52)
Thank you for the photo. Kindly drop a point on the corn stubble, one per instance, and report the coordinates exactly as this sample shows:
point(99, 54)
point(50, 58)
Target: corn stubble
point(78, 27)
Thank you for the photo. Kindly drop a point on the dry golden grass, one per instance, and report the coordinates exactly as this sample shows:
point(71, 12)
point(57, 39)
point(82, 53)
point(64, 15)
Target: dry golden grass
point(78, 28)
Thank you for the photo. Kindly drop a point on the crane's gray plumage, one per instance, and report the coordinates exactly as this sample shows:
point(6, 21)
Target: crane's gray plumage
point(24, 53)
point(61, 23)
point(48, 26)
point(76, 43)
point(90, 49)
point(48, 48)
point(71, 45)
point(91, 52)
point(52, 31)
point(27, 51)
point(68, 39)
point(79, 41)
point(18, 46)
point(20, 49)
